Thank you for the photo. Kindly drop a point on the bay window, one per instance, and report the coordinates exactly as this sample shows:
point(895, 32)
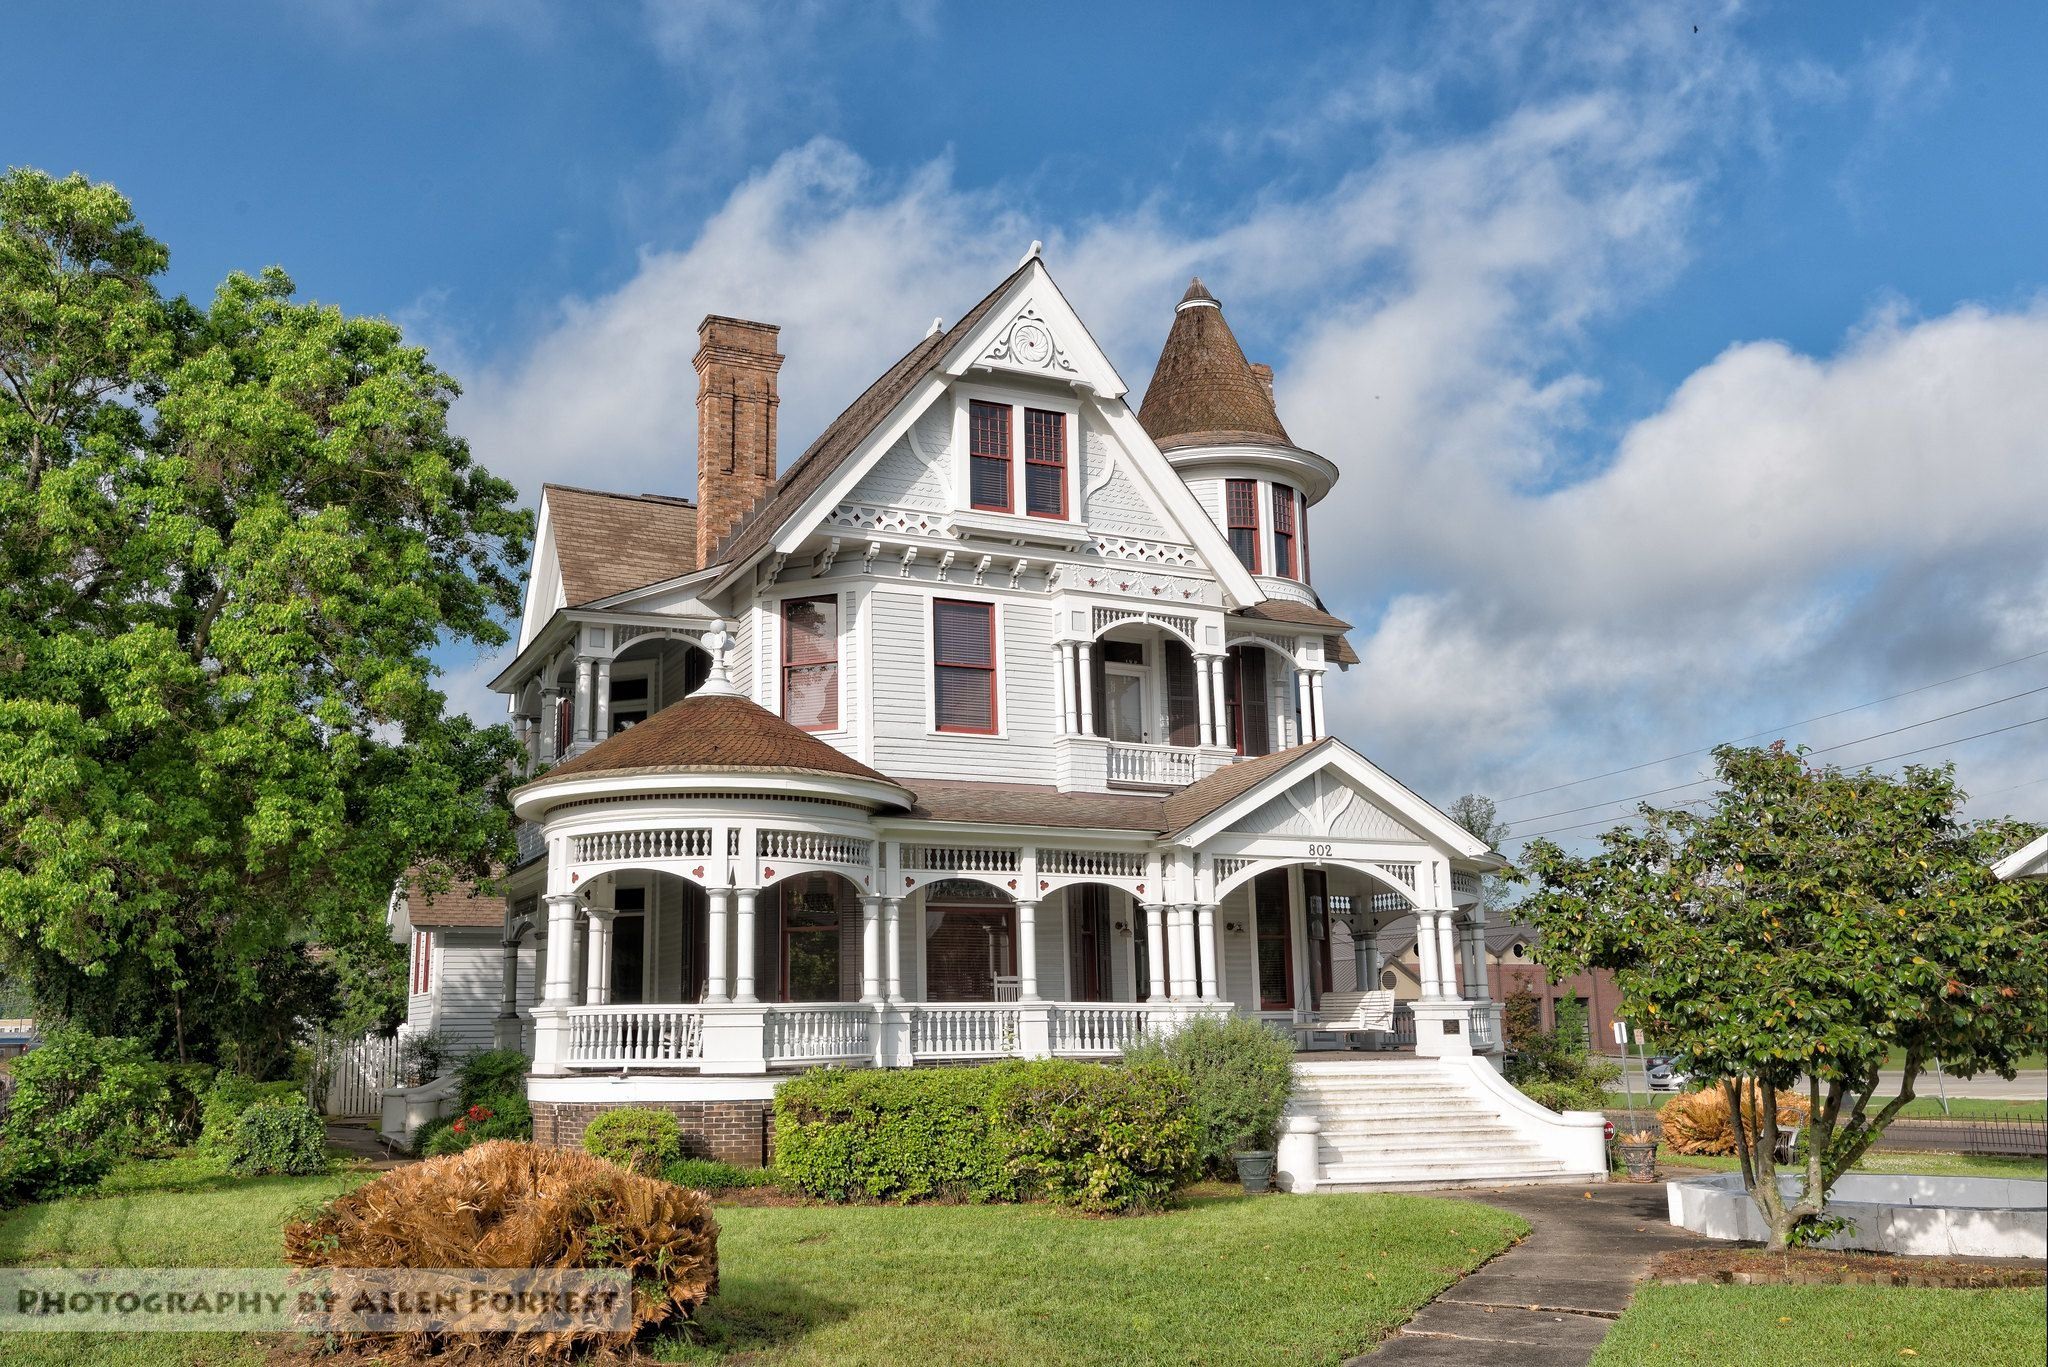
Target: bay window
point(1241, 503)
point(964, 666)
point(1283, 532)
point(810, 663)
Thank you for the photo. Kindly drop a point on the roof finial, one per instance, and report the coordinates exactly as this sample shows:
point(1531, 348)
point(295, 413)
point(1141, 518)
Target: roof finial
point(1037, 249)
point(1198, 296)
point(719, 640)
point(938, 326)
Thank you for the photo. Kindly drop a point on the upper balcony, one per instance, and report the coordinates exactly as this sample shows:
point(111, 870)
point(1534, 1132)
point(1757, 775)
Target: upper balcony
point(1097, 764)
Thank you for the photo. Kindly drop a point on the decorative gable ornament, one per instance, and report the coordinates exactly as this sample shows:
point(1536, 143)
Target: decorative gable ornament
point(1028, 344)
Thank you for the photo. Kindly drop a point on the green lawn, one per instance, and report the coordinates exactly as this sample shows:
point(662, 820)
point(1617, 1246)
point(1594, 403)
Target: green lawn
point(1844, 1326)
point(1919, 1108)
point(1224, 1280)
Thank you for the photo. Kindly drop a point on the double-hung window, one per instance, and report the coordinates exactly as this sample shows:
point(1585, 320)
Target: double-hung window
point(1045, 463)
point(810, 663)
point(988, 455)
point(1304, 538)
point(1241, 502)
point(1283, 532)
point(422, 961)
point(964, 666)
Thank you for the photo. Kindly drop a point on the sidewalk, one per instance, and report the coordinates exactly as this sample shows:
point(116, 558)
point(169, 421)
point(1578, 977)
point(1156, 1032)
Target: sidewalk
point(1548, 1301)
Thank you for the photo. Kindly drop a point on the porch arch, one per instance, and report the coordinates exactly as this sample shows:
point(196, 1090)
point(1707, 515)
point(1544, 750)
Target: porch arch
point(1242, 870)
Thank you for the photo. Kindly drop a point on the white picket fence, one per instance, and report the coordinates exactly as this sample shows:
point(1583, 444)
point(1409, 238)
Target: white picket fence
point(349, 1076)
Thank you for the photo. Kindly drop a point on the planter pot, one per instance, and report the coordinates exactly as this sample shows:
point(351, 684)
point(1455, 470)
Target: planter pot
point(1641, 1161)
point(1255, 1170)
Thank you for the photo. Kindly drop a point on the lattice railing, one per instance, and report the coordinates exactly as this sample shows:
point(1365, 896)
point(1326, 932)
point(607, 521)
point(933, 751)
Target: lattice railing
point(1091, 863)
point(616, 1036)
point(811, 847)
point(611, 847)
point(959, 859)
point(963, 1031)
point(825, 1031)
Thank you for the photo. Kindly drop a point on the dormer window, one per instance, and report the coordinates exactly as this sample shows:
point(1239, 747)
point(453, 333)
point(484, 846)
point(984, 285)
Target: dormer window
point(988, 449)
point(1283, 533)
point(1241, 500)
point(1045, 463)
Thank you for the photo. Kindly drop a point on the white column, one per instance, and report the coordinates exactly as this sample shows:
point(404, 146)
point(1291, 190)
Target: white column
point(597, 959)
point(1304, 703)
point(1084, 684)
point(603, 726)
point(1155, 949)
point(870, 949)
point(1212, 969)
point(1063, 660)
point(1222, 704)
point(1363, 976)
point(1186, 969)
point(561, 930)
point(716, 915)
point(581, 731)
point(505, 1032)
point(1027, 950)
point(892, 932)
point(1315, 690)
point(550, 718)
point(1205, 705)
point(1425, 954)
point(743, 948)
point(1447, 953)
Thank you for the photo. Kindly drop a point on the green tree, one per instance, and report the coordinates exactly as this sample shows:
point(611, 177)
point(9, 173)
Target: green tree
point(1478, 815)
point(229, 537)
point(1796, 932)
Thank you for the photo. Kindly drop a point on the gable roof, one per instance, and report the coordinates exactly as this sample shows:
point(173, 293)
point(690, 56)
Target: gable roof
point(1204, 392)
point(844, 434)
point(608, 543)
point(711, 732)
point(1207, 796)
point(462, 904)
point(2029, 862)
point(1025, 804)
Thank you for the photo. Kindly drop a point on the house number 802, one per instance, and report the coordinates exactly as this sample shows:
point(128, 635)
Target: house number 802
point(1319, 851)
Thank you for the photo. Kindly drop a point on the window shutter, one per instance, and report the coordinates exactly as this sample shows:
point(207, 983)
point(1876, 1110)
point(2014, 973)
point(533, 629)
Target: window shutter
point(1183, 716)
point(1255, 727)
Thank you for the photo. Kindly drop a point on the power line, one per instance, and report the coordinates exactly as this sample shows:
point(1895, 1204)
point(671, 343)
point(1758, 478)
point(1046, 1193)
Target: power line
point(1621, 819)
point(1839, 745)
point(1788, 726)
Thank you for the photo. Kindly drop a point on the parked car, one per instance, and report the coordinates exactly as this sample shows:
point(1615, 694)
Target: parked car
point(1663, 1075)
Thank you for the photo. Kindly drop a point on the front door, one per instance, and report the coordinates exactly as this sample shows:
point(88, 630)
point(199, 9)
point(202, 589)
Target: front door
point(1276, 940)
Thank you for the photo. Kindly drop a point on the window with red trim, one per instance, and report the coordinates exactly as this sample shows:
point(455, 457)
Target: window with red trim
point(1304, 538)
point(810, 663)
point(1045, 463)
point(964, 666)
point(1241, 504)
point(422, 961)
point(1283, 532)
point(988, 455)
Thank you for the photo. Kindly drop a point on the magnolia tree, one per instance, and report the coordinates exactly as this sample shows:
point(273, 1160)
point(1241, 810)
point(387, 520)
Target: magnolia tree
point(1807, 928)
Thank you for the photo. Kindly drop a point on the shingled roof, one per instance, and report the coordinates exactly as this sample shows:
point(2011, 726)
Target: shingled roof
point(712, 733)
point(1204, 392)
point(1205, 797)
point(461, 905)
point(609, 543)
point(844, 434)
point(1025, 804)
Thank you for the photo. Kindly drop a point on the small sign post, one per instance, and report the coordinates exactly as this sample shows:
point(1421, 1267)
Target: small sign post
point(1621, 1039)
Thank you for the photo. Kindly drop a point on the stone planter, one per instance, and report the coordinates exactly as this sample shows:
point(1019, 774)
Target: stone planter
point(1255, 1170)
point(1640, 1160)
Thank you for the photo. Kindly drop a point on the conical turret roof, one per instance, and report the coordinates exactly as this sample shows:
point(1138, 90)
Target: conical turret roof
point(1204, 392)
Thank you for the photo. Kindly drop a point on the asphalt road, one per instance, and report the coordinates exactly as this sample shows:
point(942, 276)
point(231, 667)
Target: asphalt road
point(2027, 1085)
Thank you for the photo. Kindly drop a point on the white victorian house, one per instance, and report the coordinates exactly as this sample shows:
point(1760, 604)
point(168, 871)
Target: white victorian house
point(2028, 862)
point(995, 725)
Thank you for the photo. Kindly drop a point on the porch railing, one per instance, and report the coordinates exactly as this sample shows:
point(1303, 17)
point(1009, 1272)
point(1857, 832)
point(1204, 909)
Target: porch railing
point(829, 1030)
point(1153, 765)
point(1097, 1029)
point(620, 1036)
point(963, 1030)
point(1485, 1033)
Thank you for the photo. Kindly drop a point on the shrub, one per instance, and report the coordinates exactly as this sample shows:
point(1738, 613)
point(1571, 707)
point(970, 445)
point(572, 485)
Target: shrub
point(1239, 1072)
point(491, 1073)
point(1699, 1122)
point(79, 1090)
point(278, 1137)
point(230, 1095)
point(1553, 1069)
point(1521, 1013)
point(33, 1169)
point(511, 1205)
point(424, 1056)
point(708, 1174)
point(643, 1141)
point(1104, 1139)
point(490, 1117)
point(891, 1135)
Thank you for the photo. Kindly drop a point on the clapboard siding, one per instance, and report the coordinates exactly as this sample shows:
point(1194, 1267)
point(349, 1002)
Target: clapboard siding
point(471, 987)
point(904, 747)
point(1238, 953)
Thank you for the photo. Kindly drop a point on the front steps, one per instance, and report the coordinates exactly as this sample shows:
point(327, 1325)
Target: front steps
point(1362, 1122)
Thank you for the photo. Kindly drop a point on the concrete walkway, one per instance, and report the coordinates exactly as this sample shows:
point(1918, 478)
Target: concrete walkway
point(1548, 1301)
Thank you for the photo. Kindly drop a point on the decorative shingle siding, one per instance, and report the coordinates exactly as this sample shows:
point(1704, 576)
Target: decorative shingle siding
point(1118, 506)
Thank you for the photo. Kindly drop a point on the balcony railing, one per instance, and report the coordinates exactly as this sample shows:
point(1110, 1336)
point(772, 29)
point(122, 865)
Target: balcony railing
point(829, 1030)
point(621, 1036)
point(964, 1030)
point(1152, 766)
point(1104, 1029)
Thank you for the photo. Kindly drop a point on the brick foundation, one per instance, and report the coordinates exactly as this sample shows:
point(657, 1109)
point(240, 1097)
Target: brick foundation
point(741, 1132)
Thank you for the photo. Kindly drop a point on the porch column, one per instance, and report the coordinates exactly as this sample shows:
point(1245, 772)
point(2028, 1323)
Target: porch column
point(1084, 684)
point(550, 719)
point(1425, 954)
point(1155, 950)
point(1447, 952)
point(505, 1030)
point(1315, 693)
point(718, 905)
point(1186, 982)
point(1027, 950)
point(870, 949)
point(597, 958)
point(1364, 977)
point(1063, 661)
point(892, 931)
point(1304, 703)
point(1220, 708)
point(1205, 705)
point(743, 948)
point(582, 727)
point(1212, 970)
point(603, 725)
point(551, 1014)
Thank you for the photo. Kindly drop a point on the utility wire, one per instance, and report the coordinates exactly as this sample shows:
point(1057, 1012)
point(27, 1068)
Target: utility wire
point(1769, 730)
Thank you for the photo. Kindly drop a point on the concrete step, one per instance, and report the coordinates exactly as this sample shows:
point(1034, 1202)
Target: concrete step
point(1352, 1155)
point(1446, 1173)
point(1474, 1126)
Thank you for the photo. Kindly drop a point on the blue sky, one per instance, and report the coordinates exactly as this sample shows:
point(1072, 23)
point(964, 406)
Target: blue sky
point(1680, 359)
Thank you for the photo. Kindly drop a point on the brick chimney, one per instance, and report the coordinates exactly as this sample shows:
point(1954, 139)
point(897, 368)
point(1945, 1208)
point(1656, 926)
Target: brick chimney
point(736, 364)
point(1264, 373)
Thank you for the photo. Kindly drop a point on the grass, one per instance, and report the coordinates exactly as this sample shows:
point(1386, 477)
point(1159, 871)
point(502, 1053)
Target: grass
point(1225, 1279)
point(1845, 1326)
point(1919, 1108)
